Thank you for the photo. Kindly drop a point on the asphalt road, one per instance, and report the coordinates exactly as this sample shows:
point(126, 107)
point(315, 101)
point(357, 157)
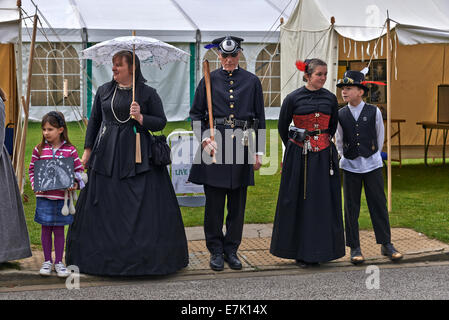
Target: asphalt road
point(423, 281)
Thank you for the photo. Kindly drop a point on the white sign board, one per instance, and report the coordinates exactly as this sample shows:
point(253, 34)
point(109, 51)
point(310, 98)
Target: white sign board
point(183, 148)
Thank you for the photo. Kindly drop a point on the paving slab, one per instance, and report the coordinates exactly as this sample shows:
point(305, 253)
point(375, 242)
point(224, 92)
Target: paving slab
point(255, 256)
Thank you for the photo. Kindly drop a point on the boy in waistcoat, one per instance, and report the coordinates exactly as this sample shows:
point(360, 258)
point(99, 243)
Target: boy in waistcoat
point(359, 141)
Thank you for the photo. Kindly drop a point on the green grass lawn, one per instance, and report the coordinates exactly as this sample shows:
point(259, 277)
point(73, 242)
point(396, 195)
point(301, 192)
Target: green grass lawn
point(420, 195)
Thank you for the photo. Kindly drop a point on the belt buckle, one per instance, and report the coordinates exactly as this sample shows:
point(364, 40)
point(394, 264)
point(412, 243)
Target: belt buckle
point(294, 135)
point(230, 122)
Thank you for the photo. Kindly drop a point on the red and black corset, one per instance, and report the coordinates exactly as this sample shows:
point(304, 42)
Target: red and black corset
point(312, 122)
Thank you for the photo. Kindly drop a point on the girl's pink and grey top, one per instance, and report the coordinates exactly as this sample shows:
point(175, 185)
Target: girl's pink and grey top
point(64, 151)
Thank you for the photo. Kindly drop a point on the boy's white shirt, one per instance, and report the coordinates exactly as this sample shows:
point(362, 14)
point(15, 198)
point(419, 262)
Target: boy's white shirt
point(361, 164)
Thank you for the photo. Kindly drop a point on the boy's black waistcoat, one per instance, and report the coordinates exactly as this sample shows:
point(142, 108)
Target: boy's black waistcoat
point(359, 137)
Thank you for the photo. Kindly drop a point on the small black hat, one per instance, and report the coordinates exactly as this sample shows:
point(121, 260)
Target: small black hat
point(353, 78)
point(228, 44)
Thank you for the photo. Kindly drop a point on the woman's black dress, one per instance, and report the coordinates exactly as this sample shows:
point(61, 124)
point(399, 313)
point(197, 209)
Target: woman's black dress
point(127, 219)
point(309, 229)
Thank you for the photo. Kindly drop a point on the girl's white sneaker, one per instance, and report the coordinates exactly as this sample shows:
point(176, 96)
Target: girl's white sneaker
point(46, 269)
point(61, 270)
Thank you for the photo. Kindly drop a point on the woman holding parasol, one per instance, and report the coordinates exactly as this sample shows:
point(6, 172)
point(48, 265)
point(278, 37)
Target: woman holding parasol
point(128, 221)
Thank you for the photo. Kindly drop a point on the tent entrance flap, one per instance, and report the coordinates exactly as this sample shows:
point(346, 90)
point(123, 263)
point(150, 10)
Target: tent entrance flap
point(8, 81)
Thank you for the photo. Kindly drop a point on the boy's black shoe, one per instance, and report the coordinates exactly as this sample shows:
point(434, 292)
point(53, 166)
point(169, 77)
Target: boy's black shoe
point(216, 262)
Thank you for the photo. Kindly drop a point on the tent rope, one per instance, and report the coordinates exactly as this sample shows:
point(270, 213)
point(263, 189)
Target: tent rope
point(53, 82)
point(296, 70)
point(70, 99)
point(60, 40)
point(377, 42)
point(263, 42)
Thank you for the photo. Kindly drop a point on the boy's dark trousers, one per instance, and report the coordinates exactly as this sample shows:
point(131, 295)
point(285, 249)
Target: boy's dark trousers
point(373, 184)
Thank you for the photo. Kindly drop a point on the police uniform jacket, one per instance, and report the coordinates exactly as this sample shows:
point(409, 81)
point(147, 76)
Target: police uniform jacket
point(236, 95)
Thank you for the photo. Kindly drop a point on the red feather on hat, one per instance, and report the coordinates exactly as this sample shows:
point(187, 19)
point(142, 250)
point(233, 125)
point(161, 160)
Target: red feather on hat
point(374, 82)
point(301, 65)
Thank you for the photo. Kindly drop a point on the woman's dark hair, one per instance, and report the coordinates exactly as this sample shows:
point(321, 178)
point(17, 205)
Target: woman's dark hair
point(128, 55)
point(311, 65)
point(55, 119)
point(128, 58)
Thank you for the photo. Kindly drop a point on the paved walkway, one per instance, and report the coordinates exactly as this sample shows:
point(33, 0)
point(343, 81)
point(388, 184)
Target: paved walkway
point(255, 255)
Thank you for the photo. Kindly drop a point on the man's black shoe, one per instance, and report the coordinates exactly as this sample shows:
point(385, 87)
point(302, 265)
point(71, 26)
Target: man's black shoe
point(390, 251)
point(356, 256)
point(216, 262)
point(233, 261)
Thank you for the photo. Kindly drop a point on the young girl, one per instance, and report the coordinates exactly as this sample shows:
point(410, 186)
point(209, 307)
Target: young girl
point(55, 144)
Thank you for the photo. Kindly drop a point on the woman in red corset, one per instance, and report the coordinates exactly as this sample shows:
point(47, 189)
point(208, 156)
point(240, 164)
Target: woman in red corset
point(308, 225)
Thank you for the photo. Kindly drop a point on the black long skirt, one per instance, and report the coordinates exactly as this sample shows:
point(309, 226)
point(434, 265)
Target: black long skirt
point(128, 227)
point(312, 229)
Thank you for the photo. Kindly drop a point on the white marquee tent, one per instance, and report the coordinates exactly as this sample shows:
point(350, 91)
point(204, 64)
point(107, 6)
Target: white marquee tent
point(187, 24)
point(9, 18)
point(420, 32)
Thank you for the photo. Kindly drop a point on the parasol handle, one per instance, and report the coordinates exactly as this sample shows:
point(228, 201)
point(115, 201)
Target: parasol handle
point(134, 68)
point(138, 147)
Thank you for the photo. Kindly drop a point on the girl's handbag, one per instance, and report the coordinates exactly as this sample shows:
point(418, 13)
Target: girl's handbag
point(54, 174)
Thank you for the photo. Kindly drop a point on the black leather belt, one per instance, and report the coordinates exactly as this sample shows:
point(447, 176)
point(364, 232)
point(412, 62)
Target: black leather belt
point(300, 135)
point(317, 132)
point(236, 123)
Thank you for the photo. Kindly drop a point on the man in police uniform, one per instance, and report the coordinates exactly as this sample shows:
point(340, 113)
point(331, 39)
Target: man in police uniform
point(238, 113)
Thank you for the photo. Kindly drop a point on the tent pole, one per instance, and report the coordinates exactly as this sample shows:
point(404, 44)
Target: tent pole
point(18, 112)
point(84, 39)
point(26, 107)
point(134, 67)
point(197, 56)
point(389, 49)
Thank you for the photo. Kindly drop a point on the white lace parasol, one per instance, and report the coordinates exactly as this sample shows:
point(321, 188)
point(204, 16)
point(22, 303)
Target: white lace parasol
point(149, 51)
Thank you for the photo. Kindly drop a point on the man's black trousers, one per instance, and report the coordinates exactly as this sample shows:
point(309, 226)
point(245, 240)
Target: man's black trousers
point(216, 241)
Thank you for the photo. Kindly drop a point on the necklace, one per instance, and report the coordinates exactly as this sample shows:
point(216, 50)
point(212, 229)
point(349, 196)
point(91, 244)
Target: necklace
point(112, 108)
